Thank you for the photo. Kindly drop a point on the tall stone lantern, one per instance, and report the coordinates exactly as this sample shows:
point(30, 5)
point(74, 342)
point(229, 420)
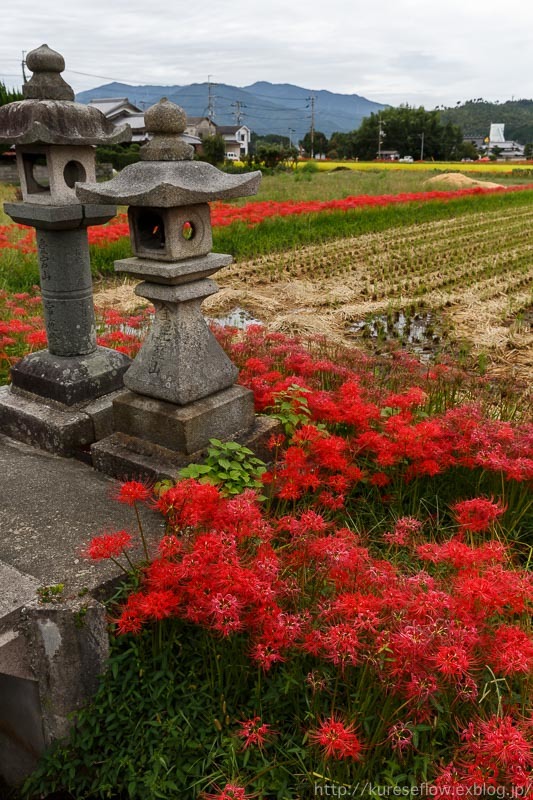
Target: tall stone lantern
point(181, 385)
point(56, 136)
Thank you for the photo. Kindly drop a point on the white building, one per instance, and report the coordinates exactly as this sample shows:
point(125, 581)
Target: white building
point(509, 150)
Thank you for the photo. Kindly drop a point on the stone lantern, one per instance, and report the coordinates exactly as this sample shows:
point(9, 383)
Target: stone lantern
point(56, 136)
point(182, 384)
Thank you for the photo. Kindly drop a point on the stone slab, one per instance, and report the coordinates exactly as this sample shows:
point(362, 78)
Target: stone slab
point(50, 508)
point(44, 424)
point(188, 428)
point(17, 589)
point(174, 272)
point(127, 457)
point(59, 217)
point(71, 379)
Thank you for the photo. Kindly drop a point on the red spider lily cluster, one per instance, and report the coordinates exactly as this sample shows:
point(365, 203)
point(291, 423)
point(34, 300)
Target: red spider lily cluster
point(22, 328)
point(22, 239)
point(253, 213)
point(430, 609)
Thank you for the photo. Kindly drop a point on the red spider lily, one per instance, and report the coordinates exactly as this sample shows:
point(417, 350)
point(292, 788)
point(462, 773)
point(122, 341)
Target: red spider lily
point(108, 545)
point(189, 503)
point(400, 737)
point(495, 752)
point(337, 739)
point(404, 531)
point(230, 792)
point(254, 733)
point(476, 515)
point(132, 492)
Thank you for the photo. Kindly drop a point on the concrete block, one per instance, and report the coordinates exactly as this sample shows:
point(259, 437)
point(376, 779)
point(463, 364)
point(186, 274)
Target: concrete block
point(71, 379)
point(185, 428)
point(130, 457)
point(42, 424)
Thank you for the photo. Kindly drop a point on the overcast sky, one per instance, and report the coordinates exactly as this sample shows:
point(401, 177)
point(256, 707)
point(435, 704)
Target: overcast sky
point(420, 52)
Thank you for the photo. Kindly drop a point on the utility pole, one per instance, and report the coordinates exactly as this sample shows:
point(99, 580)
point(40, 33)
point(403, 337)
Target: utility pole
point(210, 99)
point(312, 101)
point(238, 114)
point(422, 147)
point(380, 134)
point(23, 64)
point(291, 131)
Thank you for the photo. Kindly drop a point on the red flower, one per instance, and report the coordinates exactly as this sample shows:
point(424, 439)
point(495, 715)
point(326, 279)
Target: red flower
point(254, 732)
point(477, 514)
point(337, 739)
point(108, 545)
point(230, 792)
point(133, 492)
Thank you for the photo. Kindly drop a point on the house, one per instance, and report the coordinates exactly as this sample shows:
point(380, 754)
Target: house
point(120, 111)
point(237, 139)
point(200, 127)
point(506, 150)
point(388, 155)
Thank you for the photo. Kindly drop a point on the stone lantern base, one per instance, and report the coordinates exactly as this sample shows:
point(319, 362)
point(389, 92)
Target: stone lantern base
point(126, 457)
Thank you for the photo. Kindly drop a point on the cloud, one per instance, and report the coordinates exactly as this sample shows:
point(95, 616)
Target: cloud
point(397, 51)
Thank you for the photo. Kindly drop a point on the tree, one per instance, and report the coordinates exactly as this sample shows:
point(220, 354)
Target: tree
point(528, 150)
point(411, 131)
point(320, 144)
point(469, 150)
point(271, 154)
point(8, 95)
point(342, 144)
point(495, 152)
point(214, 148)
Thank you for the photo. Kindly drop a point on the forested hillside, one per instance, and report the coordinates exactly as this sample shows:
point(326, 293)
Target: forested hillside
point(475, 117)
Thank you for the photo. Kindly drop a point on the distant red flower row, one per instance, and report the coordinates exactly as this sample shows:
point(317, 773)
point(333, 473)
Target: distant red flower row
point(254, 213)
point(22, 239)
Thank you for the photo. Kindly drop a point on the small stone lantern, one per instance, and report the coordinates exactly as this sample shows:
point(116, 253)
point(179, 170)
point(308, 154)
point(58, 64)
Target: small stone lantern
point(55, 135)
point(182, 384)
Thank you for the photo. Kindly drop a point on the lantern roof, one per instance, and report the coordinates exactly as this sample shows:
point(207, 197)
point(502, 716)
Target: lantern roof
point(166, 176)
point(48, 113)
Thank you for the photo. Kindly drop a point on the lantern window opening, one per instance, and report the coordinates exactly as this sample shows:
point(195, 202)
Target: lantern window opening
point(74, 172)
point(36, 173)
point(151, 230)
point(188, 231)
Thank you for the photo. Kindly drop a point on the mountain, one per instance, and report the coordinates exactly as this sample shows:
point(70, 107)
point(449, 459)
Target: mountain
point(265, 107)
point(475, 117)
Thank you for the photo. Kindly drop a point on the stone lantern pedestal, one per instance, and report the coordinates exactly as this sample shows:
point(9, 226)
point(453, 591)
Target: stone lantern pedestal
point(182, 385)
point(60, 397)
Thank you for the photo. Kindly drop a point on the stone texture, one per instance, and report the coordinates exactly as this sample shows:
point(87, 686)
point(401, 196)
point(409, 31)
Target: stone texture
point(46, 82)
point(70, 380)
point(53, 218)
point(42, 424)
point(165, 184)
point(175, 272)
point(57, 122)
point(51, 654)
point(67, 292)
point(188, 428)
point(123, 456)
point(165, 122)
point(68, 658)
point(158, 233)
point(64, 166)
point(180, 360)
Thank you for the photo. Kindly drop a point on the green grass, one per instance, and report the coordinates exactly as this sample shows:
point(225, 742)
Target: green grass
point(288, 233)
point(346, 182)
point(19, 272)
